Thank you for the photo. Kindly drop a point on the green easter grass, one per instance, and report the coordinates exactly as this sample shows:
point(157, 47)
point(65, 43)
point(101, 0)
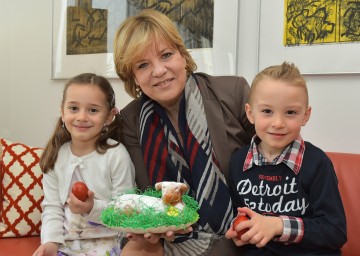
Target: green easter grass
point(148, 218)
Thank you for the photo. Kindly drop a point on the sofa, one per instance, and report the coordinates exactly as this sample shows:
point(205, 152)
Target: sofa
point(19, 232)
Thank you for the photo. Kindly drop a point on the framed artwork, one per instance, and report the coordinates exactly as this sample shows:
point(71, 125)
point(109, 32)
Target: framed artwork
point(316, 36)
point(83, 33)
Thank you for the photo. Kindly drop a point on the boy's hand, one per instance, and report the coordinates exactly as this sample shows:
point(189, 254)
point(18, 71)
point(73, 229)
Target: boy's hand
point(234, 233)
point(261, 228)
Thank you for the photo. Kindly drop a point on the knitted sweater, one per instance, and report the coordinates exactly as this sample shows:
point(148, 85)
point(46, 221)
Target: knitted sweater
point(312, 195)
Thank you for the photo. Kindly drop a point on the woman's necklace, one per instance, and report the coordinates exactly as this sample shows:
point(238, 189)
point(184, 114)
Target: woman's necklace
point(180, 136)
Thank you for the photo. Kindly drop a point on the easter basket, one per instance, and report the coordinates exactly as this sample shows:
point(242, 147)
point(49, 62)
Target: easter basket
point(149, 219)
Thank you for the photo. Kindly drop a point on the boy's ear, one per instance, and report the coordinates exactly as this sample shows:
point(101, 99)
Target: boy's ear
point(249, 113)
point(306, 116)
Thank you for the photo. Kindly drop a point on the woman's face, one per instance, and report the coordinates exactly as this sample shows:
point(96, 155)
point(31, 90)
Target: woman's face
point(161, 73)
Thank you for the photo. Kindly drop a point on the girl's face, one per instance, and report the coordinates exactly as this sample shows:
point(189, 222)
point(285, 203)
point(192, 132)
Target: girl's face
point(278, 110)
point(85, 113)
point(161, 73)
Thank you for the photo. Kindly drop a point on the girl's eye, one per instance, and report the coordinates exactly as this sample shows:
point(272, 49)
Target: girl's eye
point(93, 110)
point(73, 108)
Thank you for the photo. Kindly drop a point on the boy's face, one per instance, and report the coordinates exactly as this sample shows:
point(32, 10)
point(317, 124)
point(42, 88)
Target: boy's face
point(278, 109)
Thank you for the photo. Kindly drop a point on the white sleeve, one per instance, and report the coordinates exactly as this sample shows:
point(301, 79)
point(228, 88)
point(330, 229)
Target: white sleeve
point(122, 173)
point(52, 217)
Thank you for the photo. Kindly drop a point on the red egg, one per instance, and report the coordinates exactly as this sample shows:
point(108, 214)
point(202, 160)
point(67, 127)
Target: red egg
point(80, 190)
point(237, 221)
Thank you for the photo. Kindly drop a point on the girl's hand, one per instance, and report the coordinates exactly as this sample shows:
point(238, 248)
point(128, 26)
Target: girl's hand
point(48, 249)
point(261, 228)
point(79, 207)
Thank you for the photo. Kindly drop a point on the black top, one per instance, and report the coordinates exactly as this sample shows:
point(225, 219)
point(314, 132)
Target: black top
point(312, 195)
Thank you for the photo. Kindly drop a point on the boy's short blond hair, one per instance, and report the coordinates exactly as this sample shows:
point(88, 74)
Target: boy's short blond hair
point(287, 72)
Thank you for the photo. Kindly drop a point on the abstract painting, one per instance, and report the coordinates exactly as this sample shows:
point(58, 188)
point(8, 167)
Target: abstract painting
point(309, 22)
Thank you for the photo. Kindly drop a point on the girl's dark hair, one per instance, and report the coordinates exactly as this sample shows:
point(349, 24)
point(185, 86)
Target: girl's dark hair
point(61, 134)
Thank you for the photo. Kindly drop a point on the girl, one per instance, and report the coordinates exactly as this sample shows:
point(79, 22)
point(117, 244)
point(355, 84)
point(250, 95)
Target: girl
point(85, 146)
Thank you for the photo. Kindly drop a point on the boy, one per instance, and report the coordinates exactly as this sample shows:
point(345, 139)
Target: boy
point(287, 187)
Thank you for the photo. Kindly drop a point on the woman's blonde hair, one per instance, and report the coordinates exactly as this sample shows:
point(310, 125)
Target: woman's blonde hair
point(136, 34)
point(287, 72)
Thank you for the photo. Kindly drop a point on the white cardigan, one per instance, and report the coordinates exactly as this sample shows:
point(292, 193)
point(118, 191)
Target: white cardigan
point(104, 174)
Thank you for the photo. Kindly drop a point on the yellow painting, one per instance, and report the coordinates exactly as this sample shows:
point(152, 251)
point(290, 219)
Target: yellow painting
point(309, 22)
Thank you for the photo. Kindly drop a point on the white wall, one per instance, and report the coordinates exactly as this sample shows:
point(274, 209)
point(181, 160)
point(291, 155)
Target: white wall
point(335, 121)
point(30, 100)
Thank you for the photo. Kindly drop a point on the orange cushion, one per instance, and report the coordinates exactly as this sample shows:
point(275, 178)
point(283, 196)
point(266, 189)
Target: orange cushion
point(23, 246)
point(21, 186)
point(1, 198)
point(347, 168)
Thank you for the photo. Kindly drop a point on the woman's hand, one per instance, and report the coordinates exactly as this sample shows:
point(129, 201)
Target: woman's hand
point(48, 249)
point(79, 207)
point(261, 228)
point(154, 238)
point(147, 237)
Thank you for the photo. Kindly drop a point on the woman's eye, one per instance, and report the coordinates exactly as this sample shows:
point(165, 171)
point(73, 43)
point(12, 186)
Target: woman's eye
point(142, 65)
point(167, 55)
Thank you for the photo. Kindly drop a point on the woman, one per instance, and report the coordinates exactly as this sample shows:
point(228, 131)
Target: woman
point(181, 126)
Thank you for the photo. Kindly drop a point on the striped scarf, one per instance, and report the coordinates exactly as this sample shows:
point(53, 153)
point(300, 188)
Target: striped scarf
point(194, 163)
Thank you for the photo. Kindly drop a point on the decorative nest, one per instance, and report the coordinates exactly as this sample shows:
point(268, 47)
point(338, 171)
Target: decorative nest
point(150, 220)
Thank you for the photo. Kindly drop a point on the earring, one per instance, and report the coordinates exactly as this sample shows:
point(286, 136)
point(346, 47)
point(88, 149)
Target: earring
point(63, 125)
point(104, 129)
point(138, 91)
